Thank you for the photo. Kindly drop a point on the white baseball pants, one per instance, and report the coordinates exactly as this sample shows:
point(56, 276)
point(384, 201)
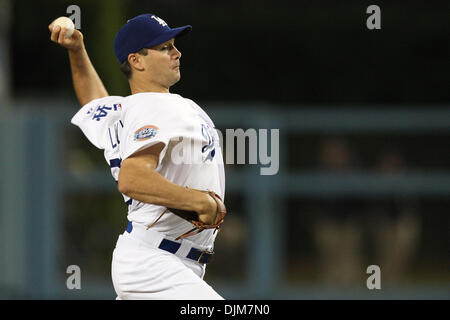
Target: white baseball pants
point(141, 271)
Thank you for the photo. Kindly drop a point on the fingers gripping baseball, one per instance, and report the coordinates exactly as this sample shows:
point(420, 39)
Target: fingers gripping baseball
point(62, 32)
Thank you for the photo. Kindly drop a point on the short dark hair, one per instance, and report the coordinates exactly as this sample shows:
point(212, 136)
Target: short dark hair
point(125, 66)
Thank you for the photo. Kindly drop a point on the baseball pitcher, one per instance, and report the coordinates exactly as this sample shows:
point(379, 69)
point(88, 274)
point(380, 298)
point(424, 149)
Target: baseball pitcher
point(175, 201)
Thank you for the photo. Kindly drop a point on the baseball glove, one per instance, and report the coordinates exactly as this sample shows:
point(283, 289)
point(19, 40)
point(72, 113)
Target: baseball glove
point(192, 217)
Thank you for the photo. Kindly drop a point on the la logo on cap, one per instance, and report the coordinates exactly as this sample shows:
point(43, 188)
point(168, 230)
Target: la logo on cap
point(160, 21)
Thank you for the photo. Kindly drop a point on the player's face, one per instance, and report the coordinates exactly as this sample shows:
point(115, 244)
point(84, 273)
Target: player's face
point(162, 64)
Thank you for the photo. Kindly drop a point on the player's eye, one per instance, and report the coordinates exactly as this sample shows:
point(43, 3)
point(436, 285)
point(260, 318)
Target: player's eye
point(167, 47)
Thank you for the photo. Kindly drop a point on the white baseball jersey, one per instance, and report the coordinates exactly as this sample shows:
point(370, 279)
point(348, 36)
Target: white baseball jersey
point(191, 157)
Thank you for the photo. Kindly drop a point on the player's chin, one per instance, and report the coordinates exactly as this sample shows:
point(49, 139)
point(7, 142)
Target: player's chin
point(176, 77)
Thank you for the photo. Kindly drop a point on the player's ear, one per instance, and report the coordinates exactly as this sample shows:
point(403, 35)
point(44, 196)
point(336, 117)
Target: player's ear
point(135, 61)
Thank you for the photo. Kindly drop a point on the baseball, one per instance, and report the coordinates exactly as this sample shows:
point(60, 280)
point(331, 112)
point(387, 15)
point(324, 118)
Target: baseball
point(65, 22)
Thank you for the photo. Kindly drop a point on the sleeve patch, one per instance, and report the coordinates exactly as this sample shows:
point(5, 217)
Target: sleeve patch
point(146, 132)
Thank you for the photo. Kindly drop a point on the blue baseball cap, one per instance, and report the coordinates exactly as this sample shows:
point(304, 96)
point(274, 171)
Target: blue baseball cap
point(144, 31)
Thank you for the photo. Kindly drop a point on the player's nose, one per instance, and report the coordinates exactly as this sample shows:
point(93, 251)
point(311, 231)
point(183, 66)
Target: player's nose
point(177, 53)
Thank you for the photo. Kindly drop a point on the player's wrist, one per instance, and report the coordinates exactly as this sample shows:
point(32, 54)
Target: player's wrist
point(208, 210)
point(77, 49)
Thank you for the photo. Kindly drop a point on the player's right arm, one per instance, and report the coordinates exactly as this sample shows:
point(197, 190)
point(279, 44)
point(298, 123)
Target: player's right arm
point(86, 82)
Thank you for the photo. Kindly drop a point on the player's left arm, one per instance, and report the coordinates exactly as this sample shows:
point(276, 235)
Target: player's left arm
point(139, 180)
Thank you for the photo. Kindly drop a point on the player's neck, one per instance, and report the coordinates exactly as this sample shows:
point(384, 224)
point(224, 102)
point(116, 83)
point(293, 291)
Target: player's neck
point(138, 87)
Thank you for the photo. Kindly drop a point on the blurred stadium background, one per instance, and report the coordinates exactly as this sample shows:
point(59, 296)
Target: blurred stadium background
point(364, 121)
